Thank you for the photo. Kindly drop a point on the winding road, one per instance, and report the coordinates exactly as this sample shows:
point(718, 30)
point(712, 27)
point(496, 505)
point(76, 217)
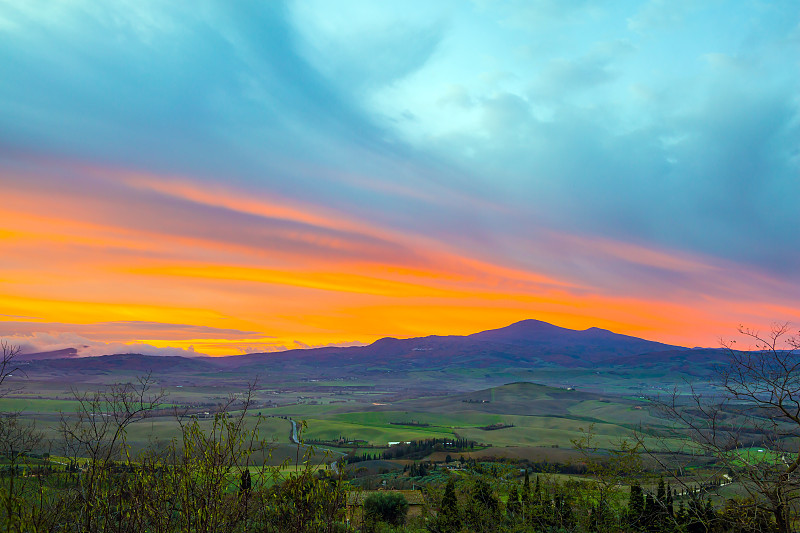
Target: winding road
point(295, 440)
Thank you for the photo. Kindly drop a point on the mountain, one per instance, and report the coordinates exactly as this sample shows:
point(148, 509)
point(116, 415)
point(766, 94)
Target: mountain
point(116, 363)
point(66, 353)
point(696, 361)
point(589, 345)
point(525, 343)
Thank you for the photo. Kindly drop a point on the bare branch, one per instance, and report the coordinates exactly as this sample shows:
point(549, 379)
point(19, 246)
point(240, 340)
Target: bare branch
point(759, 408)
point(8, 364)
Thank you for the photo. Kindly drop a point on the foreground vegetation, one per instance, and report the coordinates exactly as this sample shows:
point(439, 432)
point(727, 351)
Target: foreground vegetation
point(723, 466)
point(215, 477)
point(204, 482)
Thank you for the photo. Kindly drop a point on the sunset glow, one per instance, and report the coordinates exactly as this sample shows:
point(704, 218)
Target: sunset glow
point(290, 189)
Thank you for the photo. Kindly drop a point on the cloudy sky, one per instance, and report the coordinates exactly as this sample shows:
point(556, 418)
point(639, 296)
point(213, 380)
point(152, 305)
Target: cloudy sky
point(228, 177)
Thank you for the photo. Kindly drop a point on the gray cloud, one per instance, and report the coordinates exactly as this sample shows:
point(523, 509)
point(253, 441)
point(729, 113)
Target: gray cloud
point(632, 123)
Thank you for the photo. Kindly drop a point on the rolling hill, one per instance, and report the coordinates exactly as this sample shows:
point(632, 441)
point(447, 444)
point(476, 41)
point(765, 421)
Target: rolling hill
point(529, 345)
point(526, 343)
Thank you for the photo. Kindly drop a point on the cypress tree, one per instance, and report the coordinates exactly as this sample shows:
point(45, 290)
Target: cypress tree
point(513, 505)
point(525, 496)
point(650, 511)
point(660, 505)
point(670, 501)
point(245, 483)
point(636, 506)
point(449, 518)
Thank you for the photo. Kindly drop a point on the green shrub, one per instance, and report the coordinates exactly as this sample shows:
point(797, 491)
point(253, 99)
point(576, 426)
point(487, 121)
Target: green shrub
point(390, 507)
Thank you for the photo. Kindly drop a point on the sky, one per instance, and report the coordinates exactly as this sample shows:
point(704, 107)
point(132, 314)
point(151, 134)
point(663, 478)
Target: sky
point(219, 178)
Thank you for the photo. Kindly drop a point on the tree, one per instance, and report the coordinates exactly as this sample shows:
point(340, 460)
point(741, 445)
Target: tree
point(636, 504)
point(743, 516)
point(389, 507)
point(17, 439)
point(611, 469)
point(513, 504)
point(7, 364)
point(525, 496)
point(751, 429)
point(245, 483)
point(449, 517)
point(96, 436)
point(482, 511)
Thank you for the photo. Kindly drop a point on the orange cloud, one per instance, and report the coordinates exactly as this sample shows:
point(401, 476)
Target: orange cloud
point(144, 249)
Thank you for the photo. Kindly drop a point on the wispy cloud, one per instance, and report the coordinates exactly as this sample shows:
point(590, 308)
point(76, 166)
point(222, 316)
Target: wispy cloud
point(46, 342)
point(124, 330)
point(320, 172)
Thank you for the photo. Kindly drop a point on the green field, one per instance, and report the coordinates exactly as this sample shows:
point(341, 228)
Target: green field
point(539, 416)
point(378, 435)
point(756, 456)
point(440, 420)
point(35, 405)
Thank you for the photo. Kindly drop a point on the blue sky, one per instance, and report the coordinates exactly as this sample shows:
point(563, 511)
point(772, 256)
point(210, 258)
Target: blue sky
point(626, 149)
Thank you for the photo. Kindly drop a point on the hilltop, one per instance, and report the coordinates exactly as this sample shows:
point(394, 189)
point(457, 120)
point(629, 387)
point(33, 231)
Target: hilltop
point(526, 350)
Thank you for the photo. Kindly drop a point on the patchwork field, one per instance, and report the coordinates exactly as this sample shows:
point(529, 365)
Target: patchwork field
point(517, 419)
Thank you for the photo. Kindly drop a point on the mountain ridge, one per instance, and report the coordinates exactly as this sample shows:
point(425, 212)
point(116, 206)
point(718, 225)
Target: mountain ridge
point(528, 344)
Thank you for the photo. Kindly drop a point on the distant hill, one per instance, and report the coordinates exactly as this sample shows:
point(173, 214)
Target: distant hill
point(135, 363)
point(529, 344)
point(520, 398)
point(589, 345)
point(66, 353)
point(696, 361)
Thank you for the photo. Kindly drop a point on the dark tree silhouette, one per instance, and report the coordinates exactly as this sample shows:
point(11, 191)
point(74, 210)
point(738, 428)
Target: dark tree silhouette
point(751, 428)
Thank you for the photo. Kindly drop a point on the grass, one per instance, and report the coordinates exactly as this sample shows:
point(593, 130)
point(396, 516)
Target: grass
point(441, 420)
point(329, 430)
point(36, 405)
point(542, 432)
point(753, 456)
point(543, 417)
point(302, 410)
point(340, 383)
point(613, 411)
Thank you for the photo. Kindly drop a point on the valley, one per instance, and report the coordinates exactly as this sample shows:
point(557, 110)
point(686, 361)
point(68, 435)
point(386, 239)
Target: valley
point(537, 387)
point(579, 410)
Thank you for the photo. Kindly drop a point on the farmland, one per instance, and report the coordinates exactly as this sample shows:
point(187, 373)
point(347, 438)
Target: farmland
point(530, 415)
point(359, 425)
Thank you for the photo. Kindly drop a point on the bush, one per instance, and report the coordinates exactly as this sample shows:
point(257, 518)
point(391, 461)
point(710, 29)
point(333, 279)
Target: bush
point(390, 507)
